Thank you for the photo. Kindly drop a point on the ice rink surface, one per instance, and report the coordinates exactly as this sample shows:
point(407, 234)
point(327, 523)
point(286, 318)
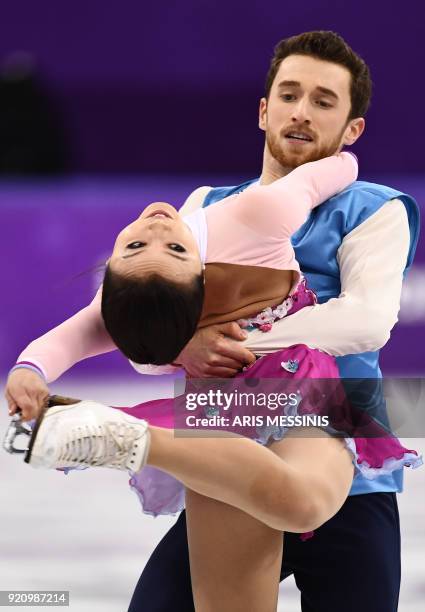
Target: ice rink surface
point(85, 532)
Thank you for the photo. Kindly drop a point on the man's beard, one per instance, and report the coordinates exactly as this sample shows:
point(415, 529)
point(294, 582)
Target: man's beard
point(293, 160)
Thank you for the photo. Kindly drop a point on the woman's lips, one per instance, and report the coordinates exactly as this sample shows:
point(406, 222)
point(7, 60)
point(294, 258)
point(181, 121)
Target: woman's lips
point(159, 213)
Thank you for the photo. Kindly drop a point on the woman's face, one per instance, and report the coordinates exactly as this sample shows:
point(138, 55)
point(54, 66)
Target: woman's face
point(157, 242)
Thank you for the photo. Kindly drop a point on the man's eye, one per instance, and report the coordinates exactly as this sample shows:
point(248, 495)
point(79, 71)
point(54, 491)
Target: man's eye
point(324, 104)
point(174, 246)
point(287, 97)
point(136, 245)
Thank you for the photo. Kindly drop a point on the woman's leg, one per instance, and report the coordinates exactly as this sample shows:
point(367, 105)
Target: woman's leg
point(235, 560)
point(295, 485)
point(229, 548)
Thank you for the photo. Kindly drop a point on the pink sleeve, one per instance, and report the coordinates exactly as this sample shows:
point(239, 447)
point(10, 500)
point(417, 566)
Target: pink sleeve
point(83, 335)
point(279, 209)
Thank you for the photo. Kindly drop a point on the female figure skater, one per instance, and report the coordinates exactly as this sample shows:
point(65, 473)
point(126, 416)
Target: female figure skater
point(281, 487)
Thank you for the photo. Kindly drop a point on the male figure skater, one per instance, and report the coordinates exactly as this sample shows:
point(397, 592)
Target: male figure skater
point(354, 252)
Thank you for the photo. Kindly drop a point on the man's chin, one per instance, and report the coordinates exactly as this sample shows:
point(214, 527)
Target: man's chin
point(292, 156)
point(293, 160)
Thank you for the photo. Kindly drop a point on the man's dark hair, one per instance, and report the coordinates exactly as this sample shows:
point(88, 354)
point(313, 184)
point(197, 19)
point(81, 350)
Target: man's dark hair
point(330, 47)
point(151, 320)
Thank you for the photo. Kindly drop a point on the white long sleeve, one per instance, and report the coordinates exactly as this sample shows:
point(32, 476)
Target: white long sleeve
point(372, 259)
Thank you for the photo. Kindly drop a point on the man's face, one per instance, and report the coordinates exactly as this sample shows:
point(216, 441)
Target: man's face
point(305, 117)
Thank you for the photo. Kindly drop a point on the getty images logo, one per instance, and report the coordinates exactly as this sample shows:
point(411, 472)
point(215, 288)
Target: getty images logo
point(412, 309)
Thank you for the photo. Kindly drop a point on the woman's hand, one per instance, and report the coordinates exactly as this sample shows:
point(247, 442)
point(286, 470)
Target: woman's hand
point(27, 391)
point(215, 351)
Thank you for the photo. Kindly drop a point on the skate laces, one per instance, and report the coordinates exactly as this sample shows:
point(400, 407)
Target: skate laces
point(100, 445)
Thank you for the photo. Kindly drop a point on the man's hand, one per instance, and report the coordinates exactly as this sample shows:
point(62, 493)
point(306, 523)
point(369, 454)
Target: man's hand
point(215, 351)
point(26, 390)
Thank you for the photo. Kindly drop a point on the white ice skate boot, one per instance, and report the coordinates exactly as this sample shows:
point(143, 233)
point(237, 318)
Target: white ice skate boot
point(88, 434)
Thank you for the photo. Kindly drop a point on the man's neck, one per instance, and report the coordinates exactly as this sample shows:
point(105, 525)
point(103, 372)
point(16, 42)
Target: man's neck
point(272, 169)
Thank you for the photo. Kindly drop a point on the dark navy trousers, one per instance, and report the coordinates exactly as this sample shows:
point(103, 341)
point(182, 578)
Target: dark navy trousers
point(351, 564)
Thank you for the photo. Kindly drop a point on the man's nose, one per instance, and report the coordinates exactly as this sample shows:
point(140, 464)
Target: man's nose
point(301, 111)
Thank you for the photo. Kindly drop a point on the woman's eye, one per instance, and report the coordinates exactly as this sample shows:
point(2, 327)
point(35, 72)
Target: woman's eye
point(136, 245)
point(174, 246)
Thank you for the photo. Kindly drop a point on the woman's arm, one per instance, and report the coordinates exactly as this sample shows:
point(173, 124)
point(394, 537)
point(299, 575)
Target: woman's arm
point(83, 335)
point(279, 209)
point(315, 182)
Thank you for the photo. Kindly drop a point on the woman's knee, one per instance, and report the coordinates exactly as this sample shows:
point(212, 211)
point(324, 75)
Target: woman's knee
point(312, 485)
point(301, 506)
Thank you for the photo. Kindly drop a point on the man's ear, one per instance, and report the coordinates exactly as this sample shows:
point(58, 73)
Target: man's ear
point(353, 131)
point(262, 114)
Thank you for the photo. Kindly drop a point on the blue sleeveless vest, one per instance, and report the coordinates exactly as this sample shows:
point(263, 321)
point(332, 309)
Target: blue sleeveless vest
point(341, 215)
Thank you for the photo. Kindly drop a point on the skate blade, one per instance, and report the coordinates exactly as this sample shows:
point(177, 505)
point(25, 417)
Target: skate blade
point(14, 433)
point(19, 429)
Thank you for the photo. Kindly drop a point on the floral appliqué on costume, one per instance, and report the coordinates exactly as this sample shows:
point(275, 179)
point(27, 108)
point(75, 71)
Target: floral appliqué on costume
point(265, 319)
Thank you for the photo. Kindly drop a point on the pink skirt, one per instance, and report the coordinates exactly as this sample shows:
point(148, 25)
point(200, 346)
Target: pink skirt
point(377, 453)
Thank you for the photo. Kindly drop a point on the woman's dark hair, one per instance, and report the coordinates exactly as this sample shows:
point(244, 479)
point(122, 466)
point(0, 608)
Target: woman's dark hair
point(151, 320)
point(330, 47)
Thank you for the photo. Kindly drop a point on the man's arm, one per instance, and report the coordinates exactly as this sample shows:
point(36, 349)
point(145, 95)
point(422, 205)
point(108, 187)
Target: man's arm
point(372, 259)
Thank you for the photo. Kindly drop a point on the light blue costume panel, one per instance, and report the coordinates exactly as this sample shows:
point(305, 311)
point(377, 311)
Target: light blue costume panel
point(323, 233)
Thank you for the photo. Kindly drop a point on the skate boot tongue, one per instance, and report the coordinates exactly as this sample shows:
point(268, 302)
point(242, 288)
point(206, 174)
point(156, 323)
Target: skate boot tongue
point(89, 434)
